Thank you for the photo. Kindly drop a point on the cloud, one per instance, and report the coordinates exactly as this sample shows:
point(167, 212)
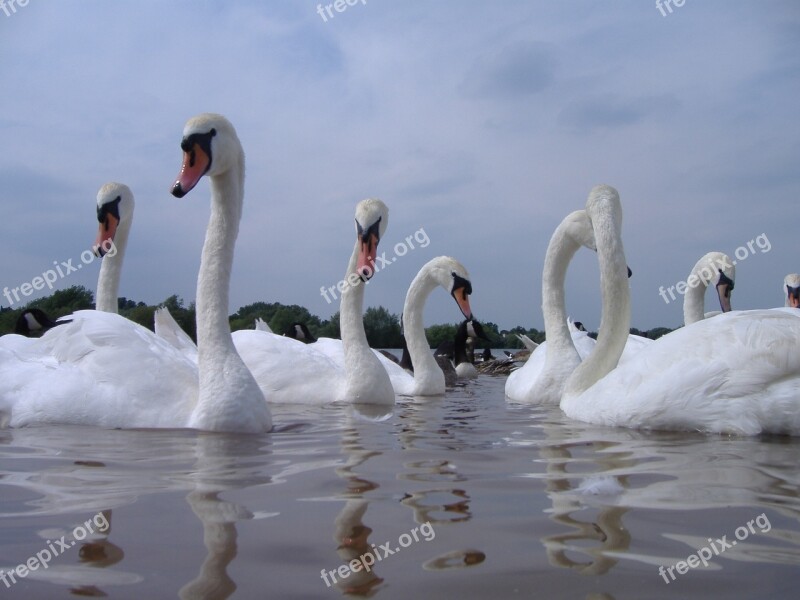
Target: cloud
point(610, 111)
point(520, 69)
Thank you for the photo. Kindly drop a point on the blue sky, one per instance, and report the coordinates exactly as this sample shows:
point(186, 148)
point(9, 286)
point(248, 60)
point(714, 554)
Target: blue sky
point(482, 123)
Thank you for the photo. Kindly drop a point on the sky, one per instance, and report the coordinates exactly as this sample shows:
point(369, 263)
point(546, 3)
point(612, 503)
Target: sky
point(480, 124)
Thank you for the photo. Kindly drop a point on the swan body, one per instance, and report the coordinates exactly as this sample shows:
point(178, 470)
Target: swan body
point(738, 373)
point(428, 378)
point(521, 384)
point(327, 370)
point(101, 369)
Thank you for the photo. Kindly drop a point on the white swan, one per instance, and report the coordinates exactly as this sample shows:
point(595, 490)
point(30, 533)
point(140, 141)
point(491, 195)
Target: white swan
point(542, 377)
point(327, 370)
point(736, 373)
point(115, 206)
point(717, 269)
point(102, 369)
point(428, 378)
point(791, 287)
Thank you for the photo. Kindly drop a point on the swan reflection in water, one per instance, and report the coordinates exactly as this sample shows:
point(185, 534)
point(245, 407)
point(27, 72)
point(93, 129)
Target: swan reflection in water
point(350, 533)
point(600, 475)
point(217, 462)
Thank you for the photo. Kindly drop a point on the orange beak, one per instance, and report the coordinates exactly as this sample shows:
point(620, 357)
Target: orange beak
point(366, 257)
point(462, 299)
point(794, 297)
point(195, 164)
point(105, 235)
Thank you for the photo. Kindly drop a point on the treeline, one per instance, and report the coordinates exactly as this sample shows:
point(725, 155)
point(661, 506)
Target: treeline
point(381, 326)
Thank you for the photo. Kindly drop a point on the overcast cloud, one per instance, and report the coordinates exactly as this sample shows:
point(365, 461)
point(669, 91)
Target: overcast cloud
point(484, 123)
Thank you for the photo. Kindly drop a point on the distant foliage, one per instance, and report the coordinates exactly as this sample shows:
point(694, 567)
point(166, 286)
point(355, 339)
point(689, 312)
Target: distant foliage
point(437, 334)
point(381, 326)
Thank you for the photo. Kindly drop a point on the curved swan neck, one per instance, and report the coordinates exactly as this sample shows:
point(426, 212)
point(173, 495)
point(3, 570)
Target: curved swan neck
point(606, 216)
point(110, 269)
point(694, 301)
point(562, 357)
point(425, 366)
point(560, 251)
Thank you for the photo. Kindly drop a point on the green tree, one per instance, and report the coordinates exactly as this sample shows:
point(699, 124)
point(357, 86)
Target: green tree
point(436, 334)
point(382, 328)
point(330, 328)
point(63, 302)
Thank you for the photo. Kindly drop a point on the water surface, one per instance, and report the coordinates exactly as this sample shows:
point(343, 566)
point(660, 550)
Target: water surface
point(473, 497)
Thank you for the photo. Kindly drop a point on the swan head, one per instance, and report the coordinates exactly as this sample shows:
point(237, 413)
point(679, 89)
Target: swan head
point(210, 147)
point(791, 284)
point(717, 269)
point(372, 218)
point(114, 206)
point(578, 227)
point(453, 277)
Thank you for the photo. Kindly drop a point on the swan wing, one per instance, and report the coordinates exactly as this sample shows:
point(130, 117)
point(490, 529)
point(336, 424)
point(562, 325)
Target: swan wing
point(736, 373)
point(167, 328)
point(289, 371)
point(81, 374)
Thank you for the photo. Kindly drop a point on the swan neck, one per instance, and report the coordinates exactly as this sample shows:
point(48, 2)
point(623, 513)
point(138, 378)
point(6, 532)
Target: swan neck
point(414, 326)
point(361, 365)
point(229, 398)
point(616, 316)
point(694, 299)
point(213, 282)
point(110, 270)
point(560, 251)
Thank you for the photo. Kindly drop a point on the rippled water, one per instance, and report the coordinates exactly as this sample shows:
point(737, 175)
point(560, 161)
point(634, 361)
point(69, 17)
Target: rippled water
point(520, 503)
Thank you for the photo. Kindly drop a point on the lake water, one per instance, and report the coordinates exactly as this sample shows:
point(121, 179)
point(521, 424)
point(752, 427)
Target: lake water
point(462, 496)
